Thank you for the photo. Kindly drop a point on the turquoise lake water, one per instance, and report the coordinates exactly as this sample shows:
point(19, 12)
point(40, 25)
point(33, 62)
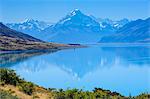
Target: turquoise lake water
point(125, 69)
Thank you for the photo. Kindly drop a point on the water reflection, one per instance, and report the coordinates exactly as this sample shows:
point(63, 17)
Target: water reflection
point(13, 58)
point(123, 69)
point(136, 55)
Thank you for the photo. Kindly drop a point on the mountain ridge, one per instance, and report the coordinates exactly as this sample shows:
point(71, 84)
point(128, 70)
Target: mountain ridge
point(132, 32)
point(75, 27)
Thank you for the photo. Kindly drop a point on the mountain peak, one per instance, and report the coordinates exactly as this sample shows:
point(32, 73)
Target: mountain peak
point(73, 15)
point(75, 12)
point(29, 20)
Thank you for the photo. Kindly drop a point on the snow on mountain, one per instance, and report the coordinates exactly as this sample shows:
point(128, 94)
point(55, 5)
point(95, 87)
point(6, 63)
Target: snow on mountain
point(75, 27)
point(39, 24)
point(113, 25)
point(77, 19)
point(132, 32)
point(29, 26)
point(120, 23)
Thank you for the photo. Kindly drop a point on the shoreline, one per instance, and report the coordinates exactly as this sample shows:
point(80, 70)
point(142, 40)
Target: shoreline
point(57, 46)
point(62, 47)
point(116, 43)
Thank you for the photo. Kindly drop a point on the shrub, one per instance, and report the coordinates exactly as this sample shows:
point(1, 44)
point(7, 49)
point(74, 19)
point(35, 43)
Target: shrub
point(9, 77)
point(6, 95)
point(27, 87)
point(143, 96)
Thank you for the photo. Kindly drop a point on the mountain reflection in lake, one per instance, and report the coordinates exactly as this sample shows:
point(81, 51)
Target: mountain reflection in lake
point(124, 69)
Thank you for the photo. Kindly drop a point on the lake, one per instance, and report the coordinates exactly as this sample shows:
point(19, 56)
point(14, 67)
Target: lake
point(125, 69)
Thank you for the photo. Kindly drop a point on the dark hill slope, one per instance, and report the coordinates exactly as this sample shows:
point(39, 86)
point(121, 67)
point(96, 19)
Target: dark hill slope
point(11, 40)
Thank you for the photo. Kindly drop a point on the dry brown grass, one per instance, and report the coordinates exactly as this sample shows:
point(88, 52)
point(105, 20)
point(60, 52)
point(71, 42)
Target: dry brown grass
point(12, 44)
point(39, 93)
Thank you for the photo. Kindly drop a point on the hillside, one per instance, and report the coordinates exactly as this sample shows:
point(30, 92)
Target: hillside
point(133, 32)
point(11, 40)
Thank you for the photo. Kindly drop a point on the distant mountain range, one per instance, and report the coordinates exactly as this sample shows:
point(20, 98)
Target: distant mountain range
point(132, 32)
point(108, 23)
point(75, 27)
point(29, 26)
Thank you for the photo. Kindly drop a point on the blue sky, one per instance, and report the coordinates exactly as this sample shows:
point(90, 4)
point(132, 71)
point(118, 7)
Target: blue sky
point(54, 10)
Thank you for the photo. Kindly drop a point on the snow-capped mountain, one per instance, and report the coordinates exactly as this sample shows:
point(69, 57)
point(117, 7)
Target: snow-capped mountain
point(108, 24)
point(120, 23)
point(29, 26)
point(76, 19)
point(75, 27)
point(132, 32)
